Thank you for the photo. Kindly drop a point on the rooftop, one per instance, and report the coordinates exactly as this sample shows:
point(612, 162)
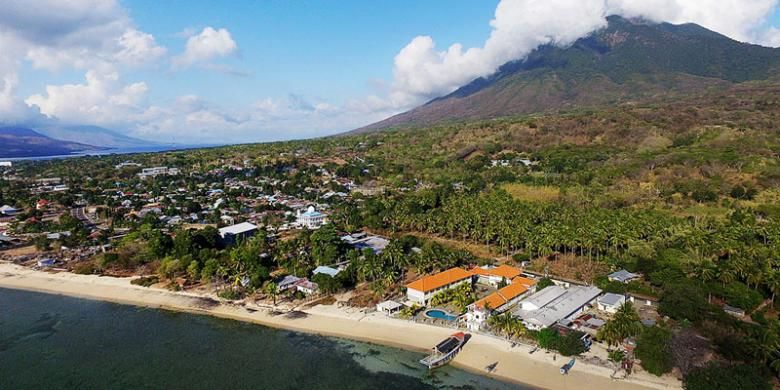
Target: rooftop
point(502, 296)
point(242, 227)
point(611, 299)
point(441, 279)
point(622, 276)
point(562, 306)
point(503, 270)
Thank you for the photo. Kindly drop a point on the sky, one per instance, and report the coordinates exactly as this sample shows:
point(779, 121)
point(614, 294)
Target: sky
point(247, 71)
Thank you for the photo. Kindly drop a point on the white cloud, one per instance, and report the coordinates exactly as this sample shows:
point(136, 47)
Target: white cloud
point(102, 100)
point(138, 47)
point(207, 45)
point(422, 71)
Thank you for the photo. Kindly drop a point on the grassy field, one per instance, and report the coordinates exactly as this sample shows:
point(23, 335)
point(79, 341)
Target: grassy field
point(527, 193)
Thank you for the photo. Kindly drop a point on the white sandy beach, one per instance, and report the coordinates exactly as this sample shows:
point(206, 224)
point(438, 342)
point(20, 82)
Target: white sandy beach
point(514, 364)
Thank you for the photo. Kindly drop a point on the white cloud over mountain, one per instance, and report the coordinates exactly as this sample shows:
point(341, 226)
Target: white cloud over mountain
point(422, 71)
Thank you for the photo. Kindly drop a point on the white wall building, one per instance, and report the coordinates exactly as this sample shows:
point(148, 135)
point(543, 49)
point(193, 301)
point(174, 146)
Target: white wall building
point(311, 219)
point(422, 290)
point(610, 302)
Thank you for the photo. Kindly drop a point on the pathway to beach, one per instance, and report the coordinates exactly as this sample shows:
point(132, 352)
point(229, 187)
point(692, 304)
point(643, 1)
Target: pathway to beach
point(511, 363)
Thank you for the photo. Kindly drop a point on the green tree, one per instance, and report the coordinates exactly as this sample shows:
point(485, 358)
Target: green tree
point(273, 290)
point(716, 377)
point(652, 349)
point(624, 324)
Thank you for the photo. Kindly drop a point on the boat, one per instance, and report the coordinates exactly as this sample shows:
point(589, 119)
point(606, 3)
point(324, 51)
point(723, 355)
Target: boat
point(445, 351)
point(566, 367)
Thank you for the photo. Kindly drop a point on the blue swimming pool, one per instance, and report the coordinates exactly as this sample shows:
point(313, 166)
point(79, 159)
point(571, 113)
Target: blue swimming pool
point(440, 315)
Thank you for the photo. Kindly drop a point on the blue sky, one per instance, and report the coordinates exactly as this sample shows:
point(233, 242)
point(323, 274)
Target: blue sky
point(240, 71)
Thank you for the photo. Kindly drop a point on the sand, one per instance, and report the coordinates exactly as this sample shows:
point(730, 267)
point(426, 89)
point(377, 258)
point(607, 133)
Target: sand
point(514, 364)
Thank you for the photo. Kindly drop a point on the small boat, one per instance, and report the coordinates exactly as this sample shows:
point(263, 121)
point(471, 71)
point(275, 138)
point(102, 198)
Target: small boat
point(445, 351)
point(566, 367)
point(534, 349)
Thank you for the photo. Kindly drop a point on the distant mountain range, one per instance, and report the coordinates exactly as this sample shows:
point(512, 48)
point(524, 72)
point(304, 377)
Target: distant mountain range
point(625, 61)
point(24, 142)
point(93, 135)
point(21, 141)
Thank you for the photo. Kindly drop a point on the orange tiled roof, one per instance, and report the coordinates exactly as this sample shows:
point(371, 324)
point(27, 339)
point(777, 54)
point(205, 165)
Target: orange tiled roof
point(505, 271)
point(502, 296)
point(441, 279)
point(524, 281)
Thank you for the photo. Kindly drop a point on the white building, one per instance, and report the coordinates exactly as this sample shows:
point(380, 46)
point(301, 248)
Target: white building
point(6, 164)
point(422, 290)
point(554, 304)
point(623, 276)
point(610, 302)
point(311, 219)
point(389, 307)
point(8, 210)
point(157, 171)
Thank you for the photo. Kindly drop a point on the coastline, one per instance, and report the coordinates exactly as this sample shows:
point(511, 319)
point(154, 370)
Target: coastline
point(514, 364)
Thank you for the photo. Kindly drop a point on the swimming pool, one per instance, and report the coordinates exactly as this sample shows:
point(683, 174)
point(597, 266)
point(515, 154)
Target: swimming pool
point(440, 315)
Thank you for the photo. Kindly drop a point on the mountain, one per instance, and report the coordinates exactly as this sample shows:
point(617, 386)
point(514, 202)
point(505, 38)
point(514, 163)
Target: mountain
point(625, 61)
point(24, 142)
point(94, 135)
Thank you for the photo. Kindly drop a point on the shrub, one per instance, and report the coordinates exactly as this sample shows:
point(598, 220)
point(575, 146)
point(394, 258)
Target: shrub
point(715, 377)
point(652, 348)
point(145, 281)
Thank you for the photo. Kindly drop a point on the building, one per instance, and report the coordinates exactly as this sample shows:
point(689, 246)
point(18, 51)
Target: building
point(554, 304)
point(497, 302)
point(232, 234)
point(362, 241)
point(332, 272)
point(610, 302)
point(389, 307)
point(7, 164)
point(157, 171)
point(287, 282)
point(623, 276)
point(311, 218)
point(422, 290)
point(306, 286)
point(733, 311)
point(494, 276)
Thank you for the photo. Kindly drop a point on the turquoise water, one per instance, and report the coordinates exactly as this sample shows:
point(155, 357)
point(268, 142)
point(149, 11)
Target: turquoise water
point(440, 314)
point(55, 342)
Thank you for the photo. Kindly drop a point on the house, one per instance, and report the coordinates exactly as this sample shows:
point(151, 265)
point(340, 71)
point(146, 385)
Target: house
point(287, 282)
point(389, 307)
point(234, 233)
point(41, 204)
point(332, 272)
point(610, 302)
point(494, 276)
point(306, 286)
point(6, 164)
point(497, 302)
point(623, 276)
point(642, 299)
point(554, 304)
point(734, 311)
point(157, 171)
point(422, 290)
point(311, 219)
point(361, 241)
point(8, 210)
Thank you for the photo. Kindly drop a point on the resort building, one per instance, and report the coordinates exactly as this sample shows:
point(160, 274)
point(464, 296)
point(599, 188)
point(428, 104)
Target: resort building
point(157, 171)
point(232, 234)
point(610, 302)
point(311, 219)
point(287, 282)
point(495, 276)
point(6, 164)
point(498, 302)
point(422, 290)
point(554, 304)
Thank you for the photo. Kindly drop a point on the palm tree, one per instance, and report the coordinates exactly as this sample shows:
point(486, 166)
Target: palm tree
point(625, 323)
point(273, 290)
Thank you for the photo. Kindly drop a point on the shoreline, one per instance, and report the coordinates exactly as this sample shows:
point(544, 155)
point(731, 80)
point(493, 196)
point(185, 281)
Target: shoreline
point(515, 365)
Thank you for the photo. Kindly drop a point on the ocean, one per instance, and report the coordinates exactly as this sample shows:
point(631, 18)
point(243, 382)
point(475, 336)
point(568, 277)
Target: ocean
point(56, 342)
point(110, 151)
